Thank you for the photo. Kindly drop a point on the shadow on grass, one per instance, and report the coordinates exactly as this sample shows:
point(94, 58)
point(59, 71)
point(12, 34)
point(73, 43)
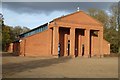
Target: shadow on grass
point(12, 68)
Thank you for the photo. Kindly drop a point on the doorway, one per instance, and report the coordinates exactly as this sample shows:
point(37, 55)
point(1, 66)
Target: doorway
point(68, 47)
point(79, 48)
point(65, 43)
point(82, 49)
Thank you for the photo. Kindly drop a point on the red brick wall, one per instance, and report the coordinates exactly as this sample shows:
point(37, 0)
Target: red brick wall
point(16, 48)
point(95, 45)
point(106, 47)
point(10, 48)
point(37, 45)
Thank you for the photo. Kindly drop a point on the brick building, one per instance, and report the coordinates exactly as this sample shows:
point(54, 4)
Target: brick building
point(78, 34)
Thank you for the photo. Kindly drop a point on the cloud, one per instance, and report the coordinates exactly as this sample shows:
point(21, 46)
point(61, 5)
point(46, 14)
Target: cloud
point(48, 7)
point(0, 7)
point(31, 21)
point(32, 14)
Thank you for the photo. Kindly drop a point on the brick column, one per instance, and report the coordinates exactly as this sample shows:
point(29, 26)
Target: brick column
point(65, 44)
point(22, 48)
point(100, 36)
point(25, 47)
point(72, 42)
point(79, 46)
point(92, 46)
point(87, 43)
point(55, 40)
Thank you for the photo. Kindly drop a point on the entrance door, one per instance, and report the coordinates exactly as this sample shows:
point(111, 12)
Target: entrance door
point(68, 47)
point(82, 49)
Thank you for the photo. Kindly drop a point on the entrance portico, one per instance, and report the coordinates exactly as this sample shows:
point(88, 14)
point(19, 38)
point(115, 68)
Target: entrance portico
point(76, 41)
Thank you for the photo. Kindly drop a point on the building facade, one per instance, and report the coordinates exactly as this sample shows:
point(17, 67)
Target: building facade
point(76, 34)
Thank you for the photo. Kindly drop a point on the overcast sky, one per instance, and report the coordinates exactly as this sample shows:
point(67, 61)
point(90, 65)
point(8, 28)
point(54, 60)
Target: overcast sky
point(33, 14)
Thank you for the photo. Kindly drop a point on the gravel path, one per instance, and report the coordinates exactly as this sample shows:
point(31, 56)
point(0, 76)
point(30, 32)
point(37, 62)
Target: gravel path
point(41, 67)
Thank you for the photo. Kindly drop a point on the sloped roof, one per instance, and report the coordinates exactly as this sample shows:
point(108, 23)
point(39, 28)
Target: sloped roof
point(33, 29)
point(79, 17)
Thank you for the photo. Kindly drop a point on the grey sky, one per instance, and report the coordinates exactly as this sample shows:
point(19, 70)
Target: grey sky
point(47, 7)
point(60, 0)
point(32, 14)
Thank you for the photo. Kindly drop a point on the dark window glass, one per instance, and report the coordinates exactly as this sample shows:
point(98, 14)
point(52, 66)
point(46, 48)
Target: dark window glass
point(40, 29)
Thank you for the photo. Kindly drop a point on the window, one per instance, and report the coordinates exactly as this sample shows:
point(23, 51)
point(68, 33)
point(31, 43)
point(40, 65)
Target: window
point(40, 29)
